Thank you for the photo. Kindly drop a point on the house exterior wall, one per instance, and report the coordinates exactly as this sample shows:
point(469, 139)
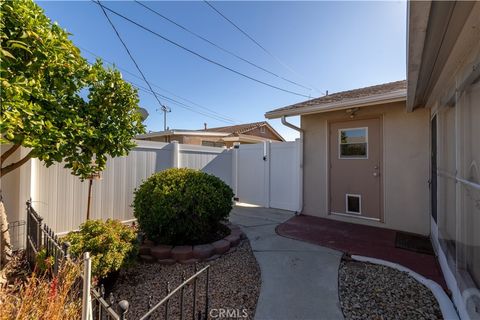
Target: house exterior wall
point(198, 140)
point(454, 103)
point(405, 166)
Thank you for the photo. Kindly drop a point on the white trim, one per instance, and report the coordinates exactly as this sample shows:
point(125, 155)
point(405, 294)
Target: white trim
point(446, 306)
point(468, 183)
point(447, 273)
point(340, 157)
point(359, 197)
point(394, 96)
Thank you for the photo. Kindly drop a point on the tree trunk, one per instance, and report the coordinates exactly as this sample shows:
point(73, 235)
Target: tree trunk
point(5, 245)
point(90, 182)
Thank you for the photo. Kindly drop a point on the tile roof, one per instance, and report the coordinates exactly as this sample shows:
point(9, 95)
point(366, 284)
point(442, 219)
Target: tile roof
point(237, 129)
point(348, 95)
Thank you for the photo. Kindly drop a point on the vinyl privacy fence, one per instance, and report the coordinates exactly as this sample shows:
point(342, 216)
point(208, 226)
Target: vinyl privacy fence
point(265, 174)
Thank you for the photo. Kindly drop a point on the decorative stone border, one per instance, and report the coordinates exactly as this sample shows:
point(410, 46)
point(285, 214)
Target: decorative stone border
point(167, 255)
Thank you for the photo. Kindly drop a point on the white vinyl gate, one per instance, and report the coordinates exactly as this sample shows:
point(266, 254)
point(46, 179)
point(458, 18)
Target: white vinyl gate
point(264, 174)
point(268, 174)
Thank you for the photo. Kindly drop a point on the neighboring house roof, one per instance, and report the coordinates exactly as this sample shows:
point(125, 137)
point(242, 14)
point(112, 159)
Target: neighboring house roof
point(244, 129)
point(180, 132)
point(383, 93)
point(240, 130)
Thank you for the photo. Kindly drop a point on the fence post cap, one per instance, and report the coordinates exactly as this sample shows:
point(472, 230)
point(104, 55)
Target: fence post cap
point(123, 305)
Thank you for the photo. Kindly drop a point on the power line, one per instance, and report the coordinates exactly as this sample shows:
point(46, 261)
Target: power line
point(154, 93)
point(220, 47)
point(179, 103)
point(201, 56)
point(219, 115)
point(254, 41)
point(128, 51)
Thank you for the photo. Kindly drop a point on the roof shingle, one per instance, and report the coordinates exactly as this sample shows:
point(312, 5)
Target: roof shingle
point(241, 128)
point(348, 95)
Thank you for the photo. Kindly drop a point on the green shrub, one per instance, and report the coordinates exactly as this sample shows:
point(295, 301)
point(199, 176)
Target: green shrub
point(44, 262)
point(183, 206)
point(112, 245)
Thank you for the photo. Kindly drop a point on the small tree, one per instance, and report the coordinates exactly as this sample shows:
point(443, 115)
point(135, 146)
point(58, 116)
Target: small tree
point(54, 103)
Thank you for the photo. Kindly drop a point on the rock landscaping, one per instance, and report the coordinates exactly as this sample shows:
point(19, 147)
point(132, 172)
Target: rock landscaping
point(234, 284)
point(370, 291)
point(167, 255)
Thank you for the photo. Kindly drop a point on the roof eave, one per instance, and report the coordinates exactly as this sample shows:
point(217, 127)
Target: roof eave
point(394, 96)
point(417, 23)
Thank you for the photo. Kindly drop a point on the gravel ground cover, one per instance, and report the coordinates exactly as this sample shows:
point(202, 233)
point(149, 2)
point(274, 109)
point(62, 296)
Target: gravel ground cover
point(234, 285)
point(369, 291)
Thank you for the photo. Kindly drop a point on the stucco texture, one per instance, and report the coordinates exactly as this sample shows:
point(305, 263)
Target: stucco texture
point(405, 167)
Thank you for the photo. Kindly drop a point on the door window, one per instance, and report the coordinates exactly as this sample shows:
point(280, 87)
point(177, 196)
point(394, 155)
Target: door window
point(353, 143)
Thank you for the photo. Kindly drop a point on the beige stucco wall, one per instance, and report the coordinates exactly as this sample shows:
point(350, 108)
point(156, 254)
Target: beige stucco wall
point(405, 166)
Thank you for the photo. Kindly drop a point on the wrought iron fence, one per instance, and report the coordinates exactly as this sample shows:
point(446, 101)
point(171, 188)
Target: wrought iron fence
point(196, 312)
point(41, 237)
point(106, 308)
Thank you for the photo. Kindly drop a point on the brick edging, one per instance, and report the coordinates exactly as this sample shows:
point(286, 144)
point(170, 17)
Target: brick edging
point(166, 254)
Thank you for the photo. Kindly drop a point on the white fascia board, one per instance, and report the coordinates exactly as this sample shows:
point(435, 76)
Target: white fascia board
point(395, 96)
point(417, 21)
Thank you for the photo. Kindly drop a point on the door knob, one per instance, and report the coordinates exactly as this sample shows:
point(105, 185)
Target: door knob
point(375, 174)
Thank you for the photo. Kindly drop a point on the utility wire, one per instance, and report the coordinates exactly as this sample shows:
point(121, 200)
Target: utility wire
point(219, 47)
point(255, 41)
point(219, 115)
point(201, 56)
point(128, 51)
point(179, 103)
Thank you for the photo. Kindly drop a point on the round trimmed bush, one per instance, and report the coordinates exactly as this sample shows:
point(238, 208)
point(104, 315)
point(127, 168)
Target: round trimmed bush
point(183, 206)
point(112, 245)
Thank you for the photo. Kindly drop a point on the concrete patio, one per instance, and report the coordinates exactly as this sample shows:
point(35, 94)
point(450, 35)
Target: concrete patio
point(299, 280)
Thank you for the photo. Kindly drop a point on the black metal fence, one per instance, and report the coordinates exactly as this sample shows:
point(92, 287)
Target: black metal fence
point(195, 313)
point(104, 308)
point(41, 237)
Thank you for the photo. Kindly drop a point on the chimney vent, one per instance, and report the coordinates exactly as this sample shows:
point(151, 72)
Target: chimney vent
point(205, 126)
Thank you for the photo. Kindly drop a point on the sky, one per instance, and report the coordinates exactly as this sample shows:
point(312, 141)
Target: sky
point(315, 46)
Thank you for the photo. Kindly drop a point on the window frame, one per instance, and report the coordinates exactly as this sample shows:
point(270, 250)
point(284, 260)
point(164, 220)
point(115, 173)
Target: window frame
point(339, 134)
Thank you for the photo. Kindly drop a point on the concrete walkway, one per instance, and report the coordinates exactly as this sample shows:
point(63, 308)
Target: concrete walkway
point(299, 280)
